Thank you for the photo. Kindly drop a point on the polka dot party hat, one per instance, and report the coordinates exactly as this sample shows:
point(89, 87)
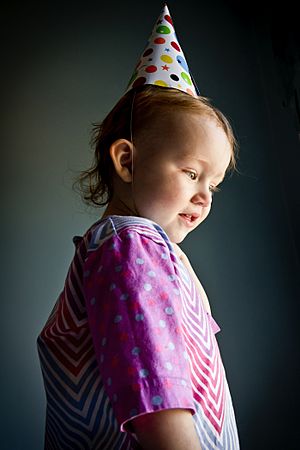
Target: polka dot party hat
point(162, 62)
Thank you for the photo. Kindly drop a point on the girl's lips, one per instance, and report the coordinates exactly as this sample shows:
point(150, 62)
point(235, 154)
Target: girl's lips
point(189, 219)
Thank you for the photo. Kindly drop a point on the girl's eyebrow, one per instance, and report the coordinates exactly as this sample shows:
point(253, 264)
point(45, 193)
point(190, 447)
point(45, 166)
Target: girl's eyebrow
point(219, 175)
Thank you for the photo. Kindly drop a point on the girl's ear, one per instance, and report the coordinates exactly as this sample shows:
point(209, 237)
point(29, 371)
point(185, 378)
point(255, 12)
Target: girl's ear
point(121, 154)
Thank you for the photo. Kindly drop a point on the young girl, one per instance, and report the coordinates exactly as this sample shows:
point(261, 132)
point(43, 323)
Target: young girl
point(129, 354)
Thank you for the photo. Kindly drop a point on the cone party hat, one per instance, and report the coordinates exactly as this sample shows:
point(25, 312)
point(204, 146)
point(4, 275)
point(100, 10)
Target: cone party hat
point(163, 62)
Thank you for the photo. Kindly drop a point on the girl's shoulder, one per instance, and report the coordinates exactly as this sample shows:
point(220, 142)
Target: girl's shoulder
point(123, 228)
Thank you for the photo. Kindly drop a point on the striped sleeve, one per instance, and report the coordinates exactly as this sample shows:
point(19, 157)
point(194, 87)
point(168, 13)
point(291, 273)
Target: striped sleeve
point(134, 314)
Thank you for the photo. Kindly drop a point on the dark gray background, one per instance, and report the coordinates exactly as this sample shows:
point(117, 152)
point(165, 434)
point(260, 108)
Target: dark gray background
point(63, 67)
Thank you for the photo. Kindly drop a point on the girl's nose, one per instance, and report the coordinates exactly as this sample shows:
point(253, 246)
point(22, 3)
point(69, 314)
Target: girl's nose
point(203, 197)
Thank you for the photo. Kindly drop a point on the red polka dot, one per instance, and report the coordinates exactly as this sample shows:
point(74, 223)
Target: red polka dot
point(148, 52)
point(127, 274)
point(151, 302)
point(136, 387)
point(167, 383)
point(138, 64)
point(159, 40)
point(158, 348)
point(115, 361)
point(131, 370)
point(100, 279)
point(175, 45)
point(134, 305)
point(164, 296)
point(151, 69)
point(139, 82)
point(168, 19)
point(124, 337)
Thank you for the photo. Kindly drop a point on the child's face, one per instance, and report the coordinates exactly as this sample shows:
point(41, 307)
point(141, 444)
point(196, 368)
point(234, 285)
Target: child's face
point(176, 171)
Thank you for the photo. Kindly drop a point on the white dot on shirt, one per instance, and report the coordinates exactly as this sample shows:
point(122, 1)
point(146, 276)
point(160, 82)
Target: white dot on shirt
point(112, 286)
point(109, 381)
point(162, 323)
point(139, 317)
point(124, 297)
point(103, 342)
point(139, 261)
point(169, 366)
point(93, 301)
point(156, 400)
point(164, 256)
point(151, 273)
point(171, 346)
point(169, 310)
point(147, 287)
point(185, 355)
point(143, 373)
point(172, 277)
point(183, 382)
point(136, 351)
point(117, 318)
point(176, 291)
point(118, 268)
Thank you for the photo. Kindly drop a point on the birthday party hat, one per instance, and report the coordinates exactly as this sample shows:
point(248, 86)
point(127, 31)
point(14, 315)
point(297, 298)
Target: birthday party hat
point(162, 62)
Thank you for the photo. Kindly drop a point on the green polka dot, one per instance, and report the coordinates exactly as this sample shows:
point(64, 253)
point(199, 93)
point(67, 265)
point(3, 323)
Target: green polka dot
point(186, 78)
point(162, 29)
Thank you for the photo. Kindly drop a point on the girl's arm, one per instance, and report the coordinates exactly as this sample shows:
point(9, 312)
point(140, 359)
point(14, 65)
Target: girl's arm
point(182, 256)
point(170, 429)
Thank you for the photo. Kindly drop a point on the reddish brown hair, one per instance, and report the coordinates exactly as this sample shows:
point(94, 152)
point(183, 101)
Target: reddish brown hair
point(138, 106)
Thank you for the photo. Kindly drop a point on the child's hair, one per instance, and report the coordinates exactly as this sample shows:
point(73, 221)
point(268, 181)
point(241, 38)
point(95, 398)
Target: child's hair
point(96, 183)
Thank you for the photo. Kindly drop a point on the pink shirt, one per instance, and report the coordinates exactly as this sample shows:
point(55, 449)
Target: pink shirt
point(146, 328)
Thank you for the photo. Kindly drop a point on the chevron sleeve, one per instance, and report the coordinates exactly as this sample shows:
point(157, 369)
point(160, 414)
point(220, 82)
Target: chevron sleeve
point(134, 313)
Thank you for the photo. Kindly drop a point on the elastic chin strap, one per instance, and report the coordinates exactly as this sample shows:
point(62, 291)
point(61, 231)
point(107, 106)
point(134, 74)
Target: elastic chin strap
point(135, 210)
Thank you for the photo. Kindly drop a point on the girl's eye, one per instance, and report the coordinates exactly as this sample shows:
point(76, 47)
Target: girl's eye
point(191, 175)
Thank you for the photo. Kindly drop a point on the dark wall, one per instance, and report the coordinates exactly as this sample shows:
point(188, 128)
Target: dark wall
point(63, 67)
